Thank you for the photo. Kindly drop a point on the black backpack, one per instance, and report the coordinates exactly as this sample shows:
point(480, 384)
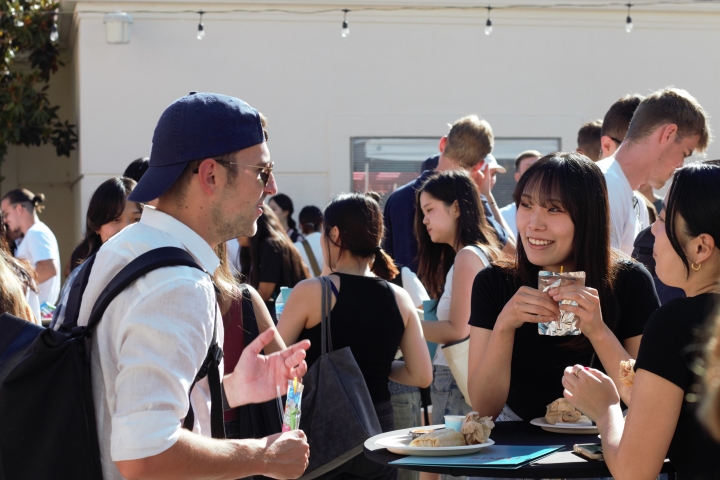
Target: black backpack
point(47, 416)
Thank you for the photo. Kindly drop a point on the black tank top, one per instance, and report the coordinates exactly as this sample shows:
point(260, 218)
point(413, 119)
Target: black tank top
point(367, 319)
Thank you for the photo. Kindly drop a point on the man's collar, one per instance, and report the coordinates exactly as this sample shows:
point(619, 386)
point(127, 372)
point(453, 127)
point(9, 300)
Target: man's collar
point(193, 242)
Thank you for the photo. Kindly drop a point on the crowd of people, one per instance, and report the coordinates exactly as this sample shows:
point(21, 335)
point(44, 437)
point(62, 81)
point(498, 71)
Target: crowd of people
point(440, 247)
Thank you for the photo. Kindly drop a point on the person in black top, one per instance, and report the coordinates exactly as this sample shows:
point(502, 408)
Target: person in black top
point(273, 260)
point(283, 208)
point(662, 418)
point(563, 222)
point(369, 314)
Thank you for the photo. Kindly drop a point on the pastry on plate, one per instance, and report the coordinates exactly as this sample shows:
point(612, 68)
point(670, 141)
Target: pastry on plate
point(476, 429)
point(627, 372)
point(445, 437)
point(561, 411)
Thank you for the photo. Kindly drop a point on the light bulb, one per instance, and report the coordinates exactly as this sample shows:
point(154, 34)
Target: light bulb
point(345, 30)
point(629, 25)
point(201, 31)
point(19, 23)
point(54, 35)
point(488, 27)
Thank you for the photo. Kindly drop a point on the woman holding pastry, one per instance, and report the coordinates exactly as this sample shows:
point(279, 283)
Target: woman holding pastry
point(662, 418)
point(563, 223)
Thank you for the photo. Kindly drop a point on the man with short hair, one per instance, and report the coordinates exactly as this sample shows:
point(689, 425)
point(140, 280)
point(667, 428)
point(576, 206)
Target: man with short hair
point(522, 163)
point(667, 127)
point(466, 145)
point(210, 170)
point(616, 123)
point(588, 140)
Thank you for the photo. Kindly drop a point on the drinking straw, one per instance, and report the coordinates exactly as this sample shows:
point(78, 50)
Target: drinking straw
point(561, 269)
point(279, 404)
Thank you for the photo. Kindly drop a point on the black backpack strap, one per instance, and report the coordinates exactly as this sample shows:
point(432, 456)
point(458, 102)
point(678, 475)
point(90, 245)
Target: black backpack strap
point(72, 307)
point(142, 265)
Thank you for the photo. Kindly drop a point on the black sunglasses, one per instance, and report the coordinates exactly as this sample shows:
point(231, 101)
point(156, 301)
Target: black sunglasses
point(265, 170)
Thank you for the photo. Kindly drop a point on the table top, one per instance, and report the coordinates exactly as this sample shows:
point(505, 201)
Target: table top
point(562, 464)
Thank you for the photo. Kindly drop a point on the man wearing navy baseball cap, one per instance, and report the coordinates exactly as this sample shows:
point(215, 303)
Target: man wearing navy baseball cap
point(210, 170)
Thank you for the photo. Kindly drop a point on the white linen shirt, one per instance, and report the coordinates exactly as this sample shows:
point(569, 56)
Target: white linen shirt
point(628, 211)
point(151, 342)
point(39, 244)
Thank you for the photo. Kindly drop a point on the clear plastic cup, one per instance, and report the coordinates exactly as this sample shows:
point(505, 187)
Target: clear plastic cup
point(565, 323)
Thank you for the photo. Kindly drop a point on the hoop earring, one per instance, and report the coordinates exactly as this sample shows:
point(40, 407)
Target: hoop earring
point(692, 265)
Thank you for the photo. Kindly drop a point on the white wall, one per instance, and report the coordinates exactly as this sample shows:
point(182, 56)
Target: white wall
point(540, 73)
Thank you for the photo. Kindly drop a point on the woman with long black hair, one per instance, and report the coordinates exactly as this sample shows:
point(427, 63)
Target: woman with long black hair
point(455, 242)
point(272, 261)
point(282, 207)
point(563, 223)
point(662, 418)
point(107, 214)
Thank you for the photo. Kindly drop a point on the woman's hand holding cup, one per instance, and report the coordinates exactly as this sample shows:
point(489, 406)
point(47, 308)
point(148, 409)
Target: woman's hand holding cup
point(528, 305)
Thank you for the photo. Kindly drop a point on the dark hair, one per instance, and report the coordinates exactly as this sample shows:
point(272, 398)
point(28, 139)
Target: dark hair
point(617, 120)
point(693, 196)
point(311, 219)
point(436, 259)
point(271, 233)
point(30, 202)
point(575, 183)
point(137, 168)
point(524, 155)
point(284, 202)
point(106, 204)
point(588, 139)
point(360, 222)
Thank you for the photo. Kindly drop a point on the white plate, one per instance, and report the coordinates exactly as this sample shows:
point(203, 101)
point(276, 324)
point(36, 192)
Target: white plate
point(400, 444)
point(583, 426)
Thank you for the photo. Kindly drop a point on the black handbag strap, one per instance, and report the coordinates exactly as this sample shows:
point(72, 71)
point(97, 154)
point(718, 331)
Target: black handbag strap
point(326, 334)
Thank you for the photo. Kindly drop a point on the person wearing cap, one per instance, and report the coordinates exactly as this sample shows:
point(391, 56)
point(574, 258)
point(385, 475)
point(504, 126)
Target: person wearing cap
point(486, 181)
point(210, 171)
point(466, 145)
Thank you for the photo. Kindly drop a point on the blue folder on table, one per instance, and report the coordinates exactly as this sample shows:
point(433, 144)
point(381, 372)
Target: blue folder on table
point(495, 456)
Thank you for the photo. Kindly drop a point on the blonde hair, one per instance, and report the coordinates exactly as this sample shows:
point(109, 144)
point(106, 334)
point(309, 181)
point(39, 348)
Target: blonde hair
point(12, 294)
point(469, 141)
point(671, 106)
point(224, 280)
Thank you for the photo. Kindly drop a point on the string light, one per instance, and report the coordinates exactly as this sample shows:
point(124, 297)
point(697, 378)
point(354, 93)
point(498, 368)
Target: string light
point(488, 24)
point(201, 27)
point(345, 29)
point(628, 22)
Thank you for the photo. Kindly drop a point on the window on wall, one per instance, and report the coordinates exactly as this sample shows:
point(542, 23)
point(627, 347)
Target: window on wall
point(384, 164)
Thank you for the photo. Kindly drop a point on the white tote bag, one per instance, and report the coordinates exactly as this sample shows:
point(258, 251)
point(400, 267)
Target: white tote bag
point(456, 354)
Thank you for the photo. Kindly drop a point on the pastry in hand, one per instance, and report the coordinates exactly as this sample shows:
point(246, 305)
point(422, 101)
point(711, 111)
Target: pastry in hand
point(476, 429)
point(445, 437)
point(561, 411)
point(627, 372)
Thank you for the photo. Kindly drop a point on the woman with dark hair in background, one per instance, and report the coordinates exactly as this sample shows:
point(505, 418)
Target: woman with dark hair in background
point(662, 414)
point(283, 208)
point(107, 214)
point(455, 242)
point(272, 261)
point(563, 223)
point(369, 314)
point(311, 219)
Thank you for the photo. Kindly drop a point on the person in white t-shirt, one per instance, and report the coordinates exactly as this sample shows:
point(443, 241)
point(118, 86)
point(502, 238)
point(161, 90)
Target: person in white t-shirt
point(667, 127)
point(39, 246)
point(522, 163)
point(311, 219)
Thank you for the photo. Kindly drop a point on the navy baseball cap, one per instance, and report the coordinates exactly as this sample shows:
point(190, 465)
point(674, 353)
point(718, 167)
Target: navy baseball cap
point(195, 127)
